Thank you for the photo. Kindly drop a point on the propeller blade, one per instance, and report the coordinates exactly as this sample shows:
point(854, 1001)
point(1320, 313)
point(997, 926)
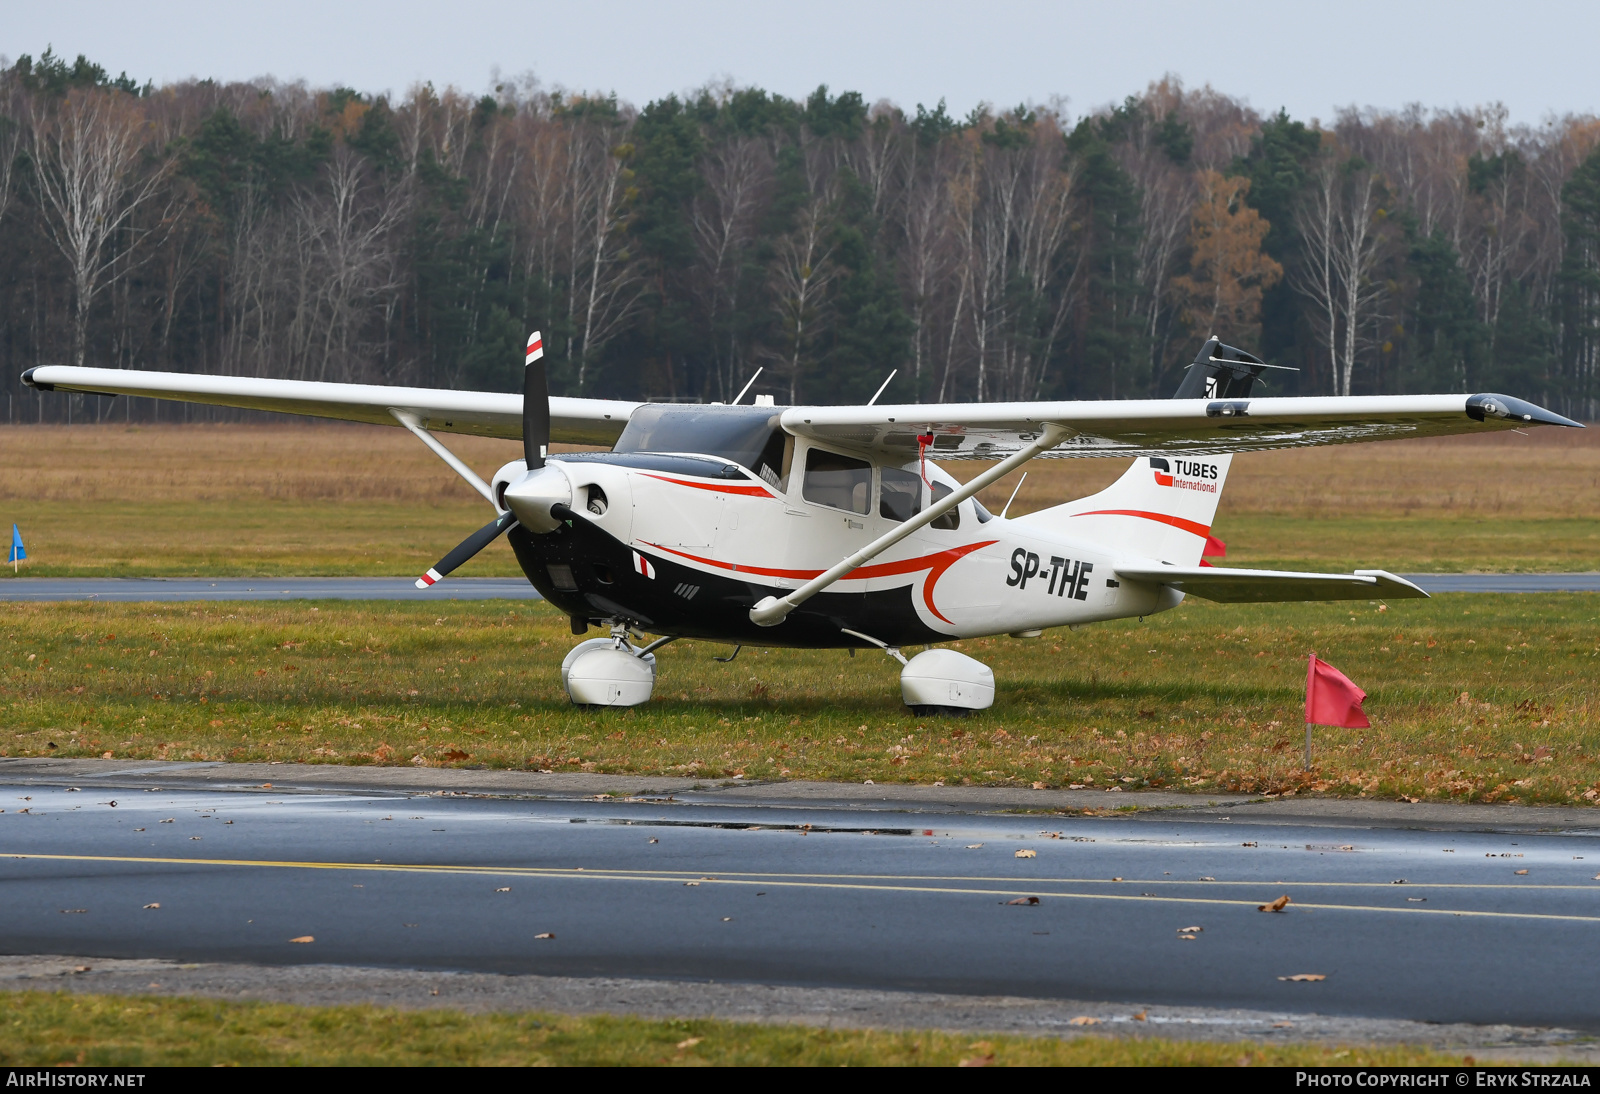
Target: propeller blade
point(468, 547)
point(535, 405)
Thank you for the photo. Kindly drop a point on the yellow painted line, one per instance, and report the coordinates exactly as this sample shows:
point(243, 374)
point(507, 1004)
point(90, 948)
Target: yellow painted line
point(774, 881)
point(730, 874)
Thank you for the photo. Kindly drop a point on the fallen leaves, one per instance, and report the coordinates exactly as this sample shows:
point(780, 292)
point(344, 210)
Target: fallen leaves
point(454, 755)
point(1306, 977)
point(1276, 906)
point(303, 939)
point(1025, 900)
point(1026, 853)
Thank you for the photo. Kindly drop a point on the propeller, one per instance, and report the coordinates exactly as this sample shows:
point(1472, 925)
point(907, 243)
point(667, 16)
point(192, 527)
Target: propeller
point(468, 547)
point(535, 405)
point(535, 444)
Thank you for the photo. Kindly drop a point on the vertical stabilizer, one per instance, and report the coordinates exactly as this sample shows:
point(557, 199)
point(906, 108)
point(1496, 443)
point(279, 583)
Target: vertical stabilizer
point(1161, 508)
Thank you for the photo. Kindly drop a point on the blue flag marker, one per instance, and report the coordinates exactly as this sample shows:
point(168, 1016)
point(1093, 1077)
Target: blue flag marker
point(18, 551)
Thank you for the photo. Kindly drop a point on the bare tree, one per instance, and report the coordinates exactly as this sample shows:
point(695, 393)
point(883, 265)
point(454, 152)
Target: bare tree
point(1339, 225)
point(800, 277)
point(87, 151)
point(722, 218)
point(605, 281)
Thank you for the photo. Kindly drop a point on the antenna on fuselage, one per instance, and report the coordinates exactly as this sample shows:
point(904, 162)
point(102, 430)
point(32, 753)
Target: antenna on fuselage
point(1013, 496)
point(891, 376)
point(746, 387)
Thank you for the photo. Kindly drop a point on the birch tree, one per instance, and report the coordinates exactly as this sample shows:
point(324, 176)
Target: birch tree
point(1338, 223)
point(87, 151)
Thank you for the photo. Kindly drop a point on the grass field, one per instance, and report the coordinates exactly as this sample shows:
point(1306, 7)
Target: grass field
point(1473, 697)
point(47, 1028)
point(340, 500)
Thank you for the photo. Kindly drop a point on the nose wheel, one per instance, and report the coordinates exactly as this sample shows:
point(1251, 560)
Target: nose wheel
point(610, 672)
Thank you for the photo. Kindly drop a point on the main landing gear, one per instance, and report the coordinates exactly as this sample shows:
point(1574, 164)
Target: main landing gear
point(940, 681)
point(613, 672)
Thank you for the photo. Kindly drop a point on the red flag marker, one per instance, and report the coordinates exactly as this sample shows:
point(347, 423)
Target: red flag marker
point(1332, 699)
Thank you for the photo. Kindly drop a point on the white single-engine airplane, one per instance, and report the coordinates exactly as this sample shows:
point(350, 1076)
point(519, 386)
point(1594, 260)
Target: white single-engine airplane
point(830, 526)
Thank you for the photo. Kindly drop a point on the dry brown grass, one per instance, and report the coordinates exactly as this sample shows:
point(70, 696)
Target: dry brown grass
point(1548, 473)
point(208, 463)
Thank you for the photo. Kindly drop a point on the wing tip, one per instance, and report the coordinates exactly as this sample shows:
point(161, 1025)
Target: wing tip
point(1396, 585)
point(1506, 408)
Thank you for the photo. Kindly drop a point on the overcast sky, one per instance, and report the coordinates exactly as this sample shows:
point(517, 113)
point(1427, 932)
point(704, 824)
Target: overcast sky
point(1537, 56)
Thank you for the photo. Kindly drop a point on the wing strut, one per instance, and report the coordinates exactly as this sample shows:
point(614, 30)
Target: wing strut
point(771, 611)
point(409, 420)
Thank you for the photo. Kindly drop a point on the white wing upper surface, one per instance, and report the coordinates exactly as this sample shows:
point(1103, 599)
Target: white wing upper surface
point(973, 431)
point(984, 431)
point(483, 413)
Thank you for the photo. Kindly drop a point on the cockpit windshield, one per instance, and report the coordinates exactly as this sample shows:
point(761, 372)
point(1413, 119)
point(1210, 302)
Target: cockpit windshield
point(747, 435)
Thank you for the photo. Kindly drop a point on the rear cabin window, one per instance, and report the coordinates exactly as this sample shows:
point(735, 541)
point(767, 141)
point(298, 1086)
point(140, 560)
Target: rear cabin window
point(900, 494)
point(839, 482)
point(951, 520)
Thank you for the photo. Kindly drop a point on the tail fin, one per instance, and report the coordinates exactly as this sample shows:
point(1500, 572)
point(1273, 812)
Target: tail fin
point(1163, 506)
point(1223, 372)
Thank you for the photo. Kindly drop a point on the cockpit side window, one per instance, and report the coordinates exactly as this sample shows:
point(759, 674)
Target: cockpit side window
point(775, 460)
point(839, 482)
point(900, 494)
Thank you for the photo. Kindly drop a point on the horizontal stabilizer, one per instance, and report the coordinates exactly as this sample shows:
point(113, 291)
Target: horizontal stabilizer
point(1260, 586)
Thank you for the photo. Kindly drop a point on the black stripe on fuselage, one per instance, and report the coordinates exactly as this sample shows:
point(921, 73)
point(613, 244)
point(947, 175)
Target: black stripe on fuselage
point(691, 603)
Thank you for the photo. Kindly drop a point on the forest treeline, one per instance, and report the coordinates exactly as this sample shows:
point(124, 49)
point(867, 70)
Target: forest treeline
point(669, 251)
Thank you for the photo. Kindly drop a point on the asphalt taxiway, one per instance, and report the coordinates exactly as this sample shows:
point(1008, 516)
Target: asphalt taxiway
point(1480, 916)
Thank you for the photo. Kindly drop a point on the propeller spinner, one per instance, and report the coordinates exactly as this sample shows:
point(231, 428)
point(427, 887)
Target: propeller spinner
point(530, 500)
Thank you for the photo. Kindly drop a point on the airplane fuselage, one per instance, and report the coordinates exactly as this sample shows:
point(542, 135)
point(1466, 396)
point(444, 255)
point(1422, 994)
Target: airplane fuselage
point(684, 545)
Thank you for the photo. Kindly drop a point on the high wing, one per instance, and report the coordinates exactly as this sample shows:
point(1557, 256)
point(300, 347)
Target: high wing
point(988, 431)
point(1261, 586)
point(482, 413)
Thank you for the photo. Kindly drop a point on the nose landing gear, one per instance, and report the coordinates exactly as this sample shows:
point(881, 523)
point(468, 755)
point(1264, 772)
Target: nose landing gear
point(609, 672)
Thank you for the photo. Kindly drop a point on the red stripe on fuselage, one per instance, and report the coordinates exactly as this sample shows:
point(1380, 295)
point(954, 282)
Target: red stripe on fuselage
point(1177, 522)
point(936, 564)
point(719, 488)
